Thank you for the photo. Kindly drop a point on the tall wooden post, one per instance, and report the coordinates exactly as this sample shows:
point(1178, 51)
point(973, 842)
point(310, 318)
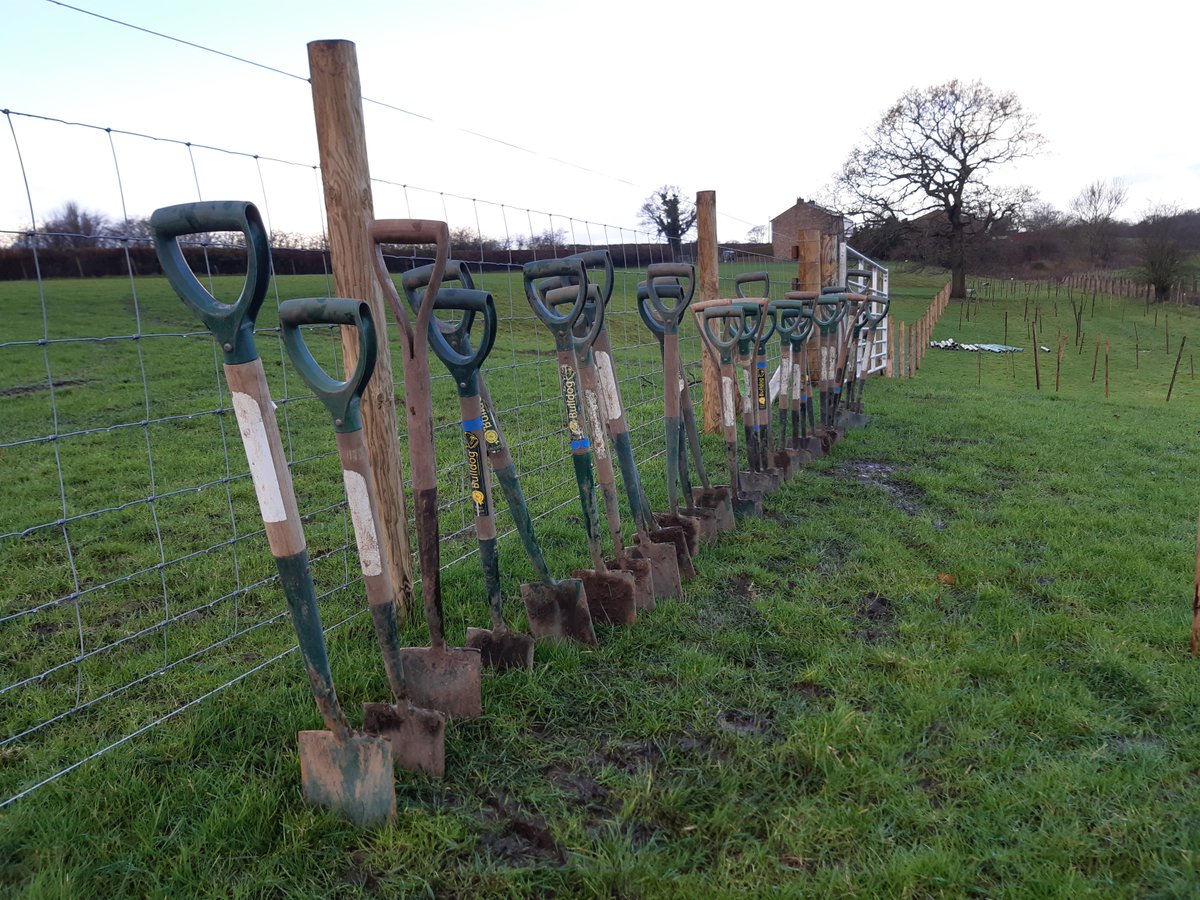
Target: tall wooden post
point(809, 260)
point(342, 144)
point(829, 260)
point(710, 287)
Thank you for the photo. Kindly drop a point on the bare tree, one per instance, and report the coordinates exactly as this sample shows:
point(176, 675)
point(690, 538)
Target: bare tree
point(70, 226)
point(757, 235)
point(933, 154)
point(1095, 208)
point(549, 241)
point(669, 214)
point(1164, 249)
point(297, 240)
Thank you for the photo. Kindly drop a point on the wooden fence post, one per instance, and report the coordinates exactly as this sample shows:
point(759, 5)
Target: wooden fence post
point(710, 287)
point(342, 147)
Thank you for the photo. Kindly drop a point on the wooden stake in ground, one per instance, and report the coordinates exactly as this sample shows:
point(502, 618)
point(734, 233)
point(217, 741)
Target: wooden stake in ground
point(1058, 367)
point(709, 285)
point(1137, 349)
point(346, 178)
point(1095, 360)
point(1006, 326)
point(1176, 370)
point(1037, 368)
point(1106, 368)
point(1196, 598)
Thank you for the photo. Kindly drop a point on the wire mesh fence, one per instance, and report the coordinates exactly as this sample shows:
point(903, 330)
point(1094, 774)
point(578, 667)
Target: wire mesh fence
point(136, 575)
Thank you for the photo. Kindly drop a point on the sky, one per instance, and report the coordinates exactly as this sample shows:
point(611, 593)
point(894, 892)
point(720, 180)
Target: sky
point(603, 102)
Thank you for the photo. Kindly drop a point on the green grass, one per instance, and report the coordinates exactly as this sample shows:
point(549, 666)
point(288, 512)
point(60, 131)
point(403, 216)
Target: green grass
point(950, 659)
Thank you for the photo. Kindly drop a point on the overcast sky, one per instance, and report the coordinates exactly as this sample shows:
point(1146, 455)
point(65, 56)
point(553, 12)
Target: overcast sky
point(760, 102)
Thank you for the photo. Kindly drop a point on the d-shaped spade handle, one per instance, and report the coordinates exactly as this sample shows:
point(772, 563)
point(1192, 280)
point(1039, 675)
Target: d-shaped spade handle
point(727, 335)
point(829, 310)
point(454, 348)
point(875, 316)
point(672, 290)
point(231, 323)
point(765, 333)
point(586, 329)
point(341, 398)
point(602, 260)
point(415, 281)
point(670, 315)
point(543, 275)
point(763, 278)
point(411, 231)
point(789, 316)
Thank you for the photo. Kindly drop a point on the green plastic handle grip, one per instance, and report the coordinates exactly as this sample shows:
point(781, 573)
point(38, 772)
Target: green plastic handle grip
point(341, 398)
point(670, 316)
point(587, 328)
point(453, 348)
point(727, 336)
point(543, 275)
point(739, 282)
point(830, 309)
point(602, 260)
point(232, 324)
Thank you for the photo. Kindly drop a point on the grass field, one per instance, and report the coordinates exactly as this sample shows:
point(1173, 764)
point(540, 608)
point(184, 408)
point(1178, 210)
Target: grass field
point(950, 659)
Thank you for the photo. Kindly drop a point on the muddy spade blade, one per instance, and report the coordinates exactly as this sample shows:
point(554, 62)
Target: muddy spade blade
point(502, 649)
point(417, 736)
point(664, 567)
point(353, 777)
point(559, 609)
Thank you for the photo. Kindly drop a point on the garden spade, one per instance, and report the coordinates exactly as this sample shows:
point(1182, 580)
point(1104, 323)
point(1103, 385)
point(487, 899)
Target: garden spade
point(662, 302)
point(610, 594)
point(437, 676)
point(852, 325)
point(759, 478)
point(555, 609)
point(668, 549)
point(719, 324)
point(827, 315)
point(757, 384)
point(804, 438)
point(794, 326)
point(348, 772)
point(876, 312)
point(417, 736)
point(500, 646)
point(626, 559)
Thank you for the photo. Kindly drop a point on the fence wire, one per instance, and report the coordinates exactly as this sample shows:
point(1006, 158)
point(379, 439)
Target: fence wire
point(136, 576)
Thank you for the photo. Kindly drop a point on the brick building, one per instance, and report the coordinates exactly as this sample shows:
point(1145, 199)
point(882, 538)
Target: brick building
point(804, 215)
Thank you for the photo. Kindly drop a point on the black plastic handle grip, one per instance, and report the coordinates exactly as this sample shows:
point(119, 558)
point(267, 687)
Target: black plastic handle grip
point(875, 317)
point(231, 323)
point(341, 397)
